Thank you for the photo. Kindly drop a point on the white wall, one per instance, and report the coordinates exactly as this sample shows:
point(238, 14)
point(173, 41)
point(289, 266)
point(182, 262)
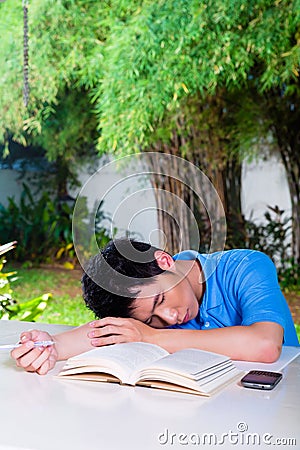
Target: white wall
point(130, 202)
point(264, 183)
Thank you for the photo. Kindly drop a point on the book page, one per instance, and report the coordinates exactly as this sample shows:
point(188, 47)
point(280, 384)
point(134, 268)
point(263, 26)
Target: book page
point(190, 361)
point(215, 384)
point(123, 359)
point(170, 380)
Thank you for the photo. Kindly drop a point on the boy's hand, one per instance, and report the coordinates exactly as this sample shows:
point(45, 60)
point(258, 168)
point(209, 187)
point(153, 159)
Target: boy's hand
point(116, 330)
point(35, 359)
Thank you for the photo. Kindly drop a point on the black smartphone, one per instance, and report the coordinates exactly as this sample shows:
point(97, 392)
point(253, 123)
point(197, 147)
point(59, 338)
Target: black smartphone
point(260, 379)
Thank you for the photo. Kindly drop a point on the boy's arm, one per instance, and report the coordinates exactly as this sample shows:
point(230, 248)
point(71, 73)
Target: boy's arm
point(261, 341)
point(73, 342)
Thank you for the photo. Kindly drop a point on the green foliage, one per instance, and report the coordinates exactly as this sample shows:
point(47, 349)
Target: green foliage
point(69, 128)
point(40, 225)
point(89, 233)
point(43, 227)
point(28, 311)
point(271, 237)
point(297, 326)
point(11, 309)
point(140, 59)
point(11, 81)
point(65, 54)
point(136, 65)
point(289, 275)
point(170, 50)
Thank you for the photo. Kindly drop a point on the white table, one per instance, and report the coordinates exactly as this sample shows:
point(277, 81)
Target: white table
point(46, 413)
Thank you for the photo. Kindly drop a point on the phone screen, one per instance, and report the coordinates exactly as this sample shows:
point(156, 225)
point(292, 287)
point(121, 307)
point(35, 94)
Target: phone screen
point(261, 379)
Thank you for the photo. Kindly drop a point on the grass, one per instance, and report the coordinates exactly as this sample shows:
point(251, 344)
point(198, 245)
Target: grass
point(66, 305)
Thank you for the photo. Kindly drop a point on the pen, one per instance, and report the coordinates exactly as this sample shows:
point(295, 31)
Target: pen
point(36, 344)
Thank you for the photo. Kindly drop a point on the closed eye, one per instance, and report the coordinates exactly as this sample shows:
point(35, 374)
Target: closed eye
point(156, 303)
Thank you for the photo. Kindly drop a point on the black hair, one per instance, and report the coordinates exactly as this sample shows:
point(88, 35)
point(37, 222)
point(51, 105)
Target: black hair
point(108, 294)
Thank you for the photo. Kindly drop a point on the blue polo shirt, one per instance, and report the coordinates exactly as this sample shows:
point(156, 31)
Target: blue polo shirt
point(241, 289)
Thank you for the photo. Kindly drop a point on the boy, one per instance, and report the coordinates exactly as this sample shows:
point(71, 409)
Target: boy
point(227, 302)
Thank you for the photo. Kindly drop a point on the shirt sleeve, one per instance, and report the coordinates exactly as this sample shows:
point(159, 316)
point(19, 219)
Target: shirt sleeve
point(258, 291)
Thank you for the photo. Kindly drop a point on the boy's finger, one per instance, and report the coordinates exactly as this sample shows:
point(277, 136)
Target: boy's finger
point(22, 350)
point(108, 321)
point(26, 359)
point(45, 367)
point(39, 361)
point(25, 362)
point(25, 336)
point(106, 331)
point(32, 335)
point(96, 323)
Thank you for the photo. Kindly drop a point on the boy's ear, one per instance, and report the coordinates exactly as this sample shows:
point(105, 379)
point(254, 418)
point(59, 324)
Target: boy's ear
point(164, 260)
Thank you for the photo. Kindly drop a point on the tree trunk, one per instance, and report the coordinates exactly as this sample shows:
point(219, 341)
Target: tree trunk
point(173, 199)
point(201, 143)
point(232, 181)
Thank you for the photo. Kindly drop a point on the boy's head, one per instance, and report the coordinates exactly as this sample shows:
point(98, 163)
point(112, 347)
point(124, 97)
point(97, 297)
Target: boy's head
point(113, 277)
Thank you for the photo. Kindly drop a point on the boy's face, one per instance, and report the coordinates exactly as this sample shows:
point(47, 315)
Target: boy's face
point(169, 300)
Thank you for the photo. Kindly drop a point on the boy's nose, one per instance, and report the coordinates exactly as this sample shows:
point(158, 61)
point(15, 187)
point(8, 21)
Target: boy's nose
point(169, 315)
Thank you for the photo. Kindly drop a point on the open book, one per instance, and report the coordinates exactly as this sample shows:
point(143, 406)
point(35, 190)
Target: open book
point(141, 364)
